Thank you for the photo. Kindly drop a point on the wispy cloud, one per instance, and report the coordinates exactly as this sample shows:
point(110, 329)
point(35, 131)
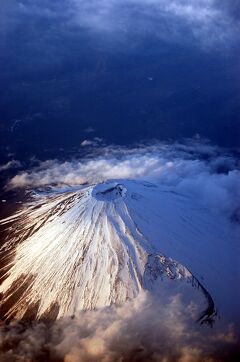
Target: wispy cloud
point(10, 164)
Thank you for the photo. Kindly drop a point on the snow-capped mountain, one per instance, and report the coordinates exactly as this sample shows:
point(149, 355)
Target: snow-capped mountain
point(94, 245)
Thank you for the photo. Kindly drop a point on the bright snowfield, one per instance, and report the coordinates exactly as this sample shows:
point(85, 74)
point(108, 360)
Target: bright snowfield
point(91, 246)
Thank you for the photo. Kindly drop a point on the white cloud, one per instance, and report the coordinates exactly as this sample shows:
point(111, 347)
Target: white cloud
point(94, 142)
point(192, 168)
point(143, 329)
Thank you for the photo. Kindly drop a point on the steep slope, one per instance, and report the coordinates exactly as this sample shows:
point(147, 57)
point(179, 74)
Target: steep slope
point(90, 246)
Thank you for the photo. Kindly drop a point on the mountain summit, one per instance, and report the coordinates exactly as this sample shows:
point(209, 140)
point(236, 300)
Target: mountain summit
point(91, 246)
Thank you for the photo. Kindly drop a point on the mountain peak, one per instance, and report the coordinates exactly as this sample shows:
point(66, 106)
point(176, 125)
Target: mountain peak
point(94, 246)
point(109, 191)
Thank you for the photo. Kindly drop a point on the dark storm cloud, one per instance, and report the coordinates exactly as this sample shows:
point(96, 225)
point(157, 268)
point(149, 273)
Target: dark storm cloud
point(231, 6)
point(205, 21)
point(15, 12)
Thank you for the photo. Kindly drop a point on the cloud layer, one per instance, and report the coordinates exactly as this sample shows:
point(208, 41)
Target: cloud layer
point(203, 21)
point(199, 169)
point(158, 329)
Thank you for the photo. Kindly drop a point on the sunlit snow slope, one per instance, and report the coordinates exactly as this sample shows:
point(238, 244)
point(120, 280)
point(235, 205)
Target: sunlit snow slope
point(91, 246)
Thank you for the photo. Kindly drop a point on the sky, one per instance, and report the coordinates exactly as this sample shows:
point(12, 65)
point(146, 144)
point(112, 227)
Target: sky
point(75, 70)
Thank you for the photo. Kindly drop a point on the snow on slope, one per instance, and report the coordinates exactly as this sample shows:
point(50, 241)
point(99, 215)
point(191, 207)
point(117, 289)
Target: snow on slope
point(92, 246)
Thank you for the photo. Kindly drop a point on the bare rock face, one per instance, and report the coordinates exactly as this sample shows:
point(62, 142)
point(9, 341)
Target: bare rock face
point(109, 191)
point(97, 245)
